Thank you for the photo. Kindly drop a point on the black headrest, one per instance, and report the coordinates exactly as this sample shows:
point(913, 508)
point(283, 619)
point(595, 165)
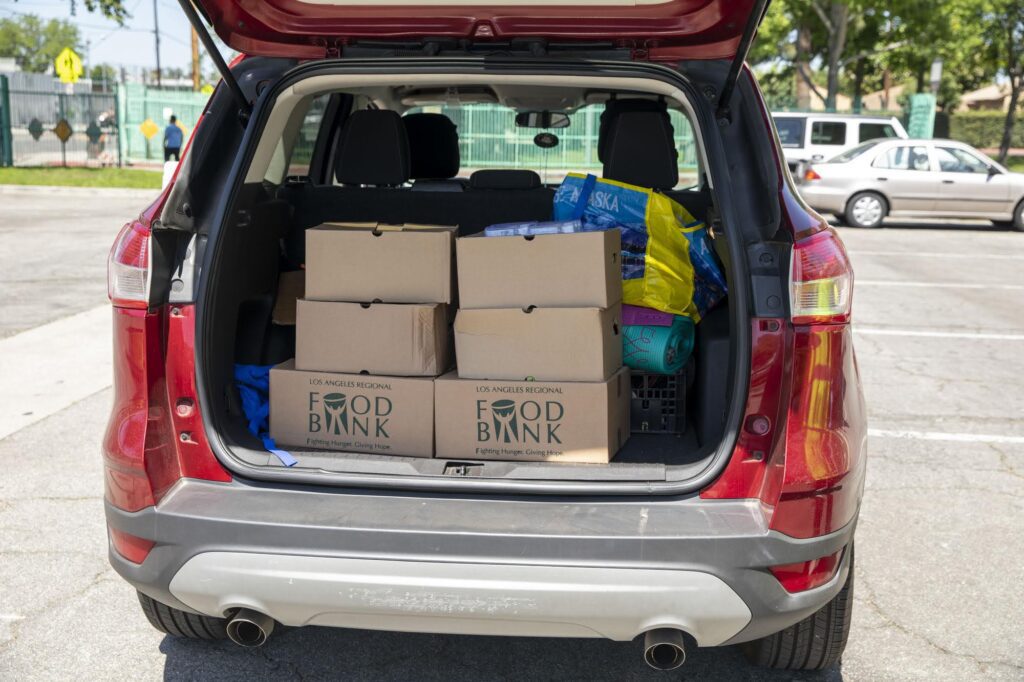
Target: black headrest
point(642, 150)
point(614, 107)
point(504, 179)
point(433, 146)
point(373, 149)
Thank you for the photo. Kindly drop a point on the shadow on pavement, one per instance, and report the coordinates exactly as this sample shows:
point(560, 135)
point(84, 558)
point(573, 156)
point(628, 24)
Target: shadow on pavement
point(331, 653)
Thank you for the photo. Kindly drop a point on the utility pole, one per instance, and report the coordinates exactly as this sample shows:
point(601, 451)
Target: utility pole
point(156, 37)
point(195, 61)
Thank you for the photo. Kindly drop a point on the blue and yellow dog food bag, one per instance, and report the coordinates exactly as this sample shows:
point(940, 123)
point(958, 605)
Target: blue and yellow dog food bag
point(667, 263)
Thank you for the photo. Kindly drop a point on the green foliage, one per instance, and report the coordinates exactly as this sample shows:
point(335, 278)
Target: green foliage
point(34, 43)
point(103, 72)
point(983, 129)
point(111, 9)
point(902, 37)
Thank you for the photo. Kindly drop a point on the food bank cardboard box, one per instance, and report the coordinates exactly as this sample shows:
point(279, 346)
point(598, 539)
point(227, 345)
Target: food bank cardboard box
point(580, 270)
point(351, 412)
point(374, 262)
point(401, 339)
point(544, 344)
point(531, 420)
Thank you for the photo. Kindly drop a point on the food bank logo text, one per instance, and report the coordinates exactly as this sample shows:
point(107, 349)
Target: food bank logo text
point(511, 421)
point(336, 414)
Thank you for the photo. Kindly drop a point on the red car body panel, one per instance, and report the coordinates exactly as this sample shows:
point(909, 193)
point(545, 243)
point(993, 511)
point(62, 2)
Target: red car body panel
point(674, 29)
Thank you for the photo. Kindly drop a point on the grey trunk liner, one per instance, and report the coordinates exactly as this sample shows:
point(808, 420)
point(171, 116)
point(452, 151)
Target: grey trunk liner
point(643, 458)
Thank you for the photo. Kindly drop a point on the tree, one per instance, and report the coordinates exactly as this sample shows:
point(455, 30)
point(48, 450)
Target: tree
point(34, 43)
point(1004, 22)
point(111, 9)
point(103, 76)
point(819, 29)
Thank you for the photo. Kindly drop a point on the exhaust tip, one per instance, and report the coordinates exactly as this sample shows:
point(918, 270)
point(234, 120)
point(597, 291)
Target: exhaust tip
point(249, 628)
point(664, 649)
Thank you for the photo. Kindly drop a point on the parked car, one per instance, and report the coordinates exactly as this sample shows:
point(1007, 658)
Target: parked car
point(810, 138)
point(739, 529)
point(915, 179)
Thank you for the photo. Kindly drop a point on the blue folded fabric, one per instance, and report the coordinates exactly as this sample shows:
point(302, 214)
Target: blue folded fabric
point(253, 383)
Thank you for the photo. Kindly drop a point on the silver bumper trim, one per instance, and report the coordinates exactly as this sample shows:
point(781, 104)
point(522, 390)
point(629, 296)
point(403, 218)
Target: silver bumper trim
point(462, 598)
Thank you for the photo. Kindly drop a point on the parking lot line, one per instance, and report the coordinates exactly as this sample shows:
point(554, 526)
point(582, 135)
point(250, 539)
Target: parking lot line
point(974, 336)
point(938, 254)
point(949, 437)
point(936, 285)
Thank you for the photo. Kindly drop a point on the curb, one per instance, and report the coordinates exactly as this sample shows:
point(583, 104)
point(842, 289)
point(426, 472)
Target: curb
point(126, 192)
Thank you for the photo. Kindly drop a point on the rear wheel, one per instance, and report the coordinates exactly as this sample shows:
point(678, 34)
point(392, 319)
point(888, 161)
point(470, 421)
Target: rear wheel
point(866, 209)
point(178, 623)
point(815, 643)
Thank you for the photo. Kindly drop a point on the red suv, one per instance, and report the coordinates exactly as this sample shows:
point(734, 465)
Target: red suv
point(736, 530)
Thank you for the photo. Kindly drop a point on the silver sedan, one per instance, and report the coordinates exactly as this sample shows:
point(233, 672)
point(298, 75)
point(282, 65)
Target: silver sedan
point(914, 179)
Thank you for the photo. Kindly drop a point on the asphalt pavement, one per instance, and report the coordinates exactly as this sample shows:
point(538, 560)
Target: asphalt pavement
point(940, 554)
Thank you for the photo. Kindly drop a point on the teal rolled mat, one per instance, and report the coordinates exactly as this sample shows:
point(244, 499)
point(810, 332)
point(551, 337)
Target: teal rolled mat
point(663, 350)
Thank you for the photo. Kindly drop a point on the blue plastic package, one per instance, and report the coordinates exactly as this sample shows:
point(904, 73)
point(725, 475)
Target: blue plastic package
point(253, 383)
point(533, 227)
point(652, 226)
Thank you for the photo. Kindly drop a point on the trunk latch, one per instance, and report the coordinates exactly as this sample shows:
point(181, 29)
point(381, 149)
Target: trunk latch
point(462, 469)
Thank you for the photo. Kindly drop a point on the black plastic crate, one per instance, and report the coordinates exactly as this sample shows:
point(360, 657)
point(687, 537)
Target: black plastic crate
point(658, 403)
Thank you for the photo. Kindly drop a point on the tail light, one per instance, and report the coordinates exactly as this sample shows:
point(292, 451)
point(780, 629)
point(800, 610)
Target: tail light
point(821, 280)
point(808, 468)
point(811, 174)
point(807, 575)
point(155, 435)
point(128, 271)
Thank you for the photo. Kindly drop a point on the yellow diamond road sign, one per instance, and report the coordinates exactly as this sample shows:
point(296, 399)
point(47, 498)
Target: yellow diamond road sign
point(68, 66)
point(63, 130)
point(149, 129)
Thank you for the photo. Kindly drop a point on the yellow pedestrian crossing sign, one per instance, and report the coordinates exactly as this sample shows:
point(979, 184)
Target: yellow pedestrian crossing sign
point(68, 66)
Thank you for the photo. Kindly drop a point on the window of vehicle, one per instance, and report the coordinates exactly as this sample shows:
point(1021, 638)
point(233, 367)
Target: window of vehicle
point(791, 130)
point(851, 154)
point(828, 132)
point(489, 138)
point(295, 148)
point(874, 131)
point(302, 150)
point(904, 157)
point(953, 160)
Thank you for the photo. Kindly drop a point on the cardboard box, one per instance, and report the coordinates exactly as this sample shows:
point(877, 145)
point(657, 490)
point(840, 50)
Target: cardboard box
point(351, 412)
point(531, 420)
point(579, 270)
point(367, 262)
point(544, 344)
point(401, 339)
point(290, 288)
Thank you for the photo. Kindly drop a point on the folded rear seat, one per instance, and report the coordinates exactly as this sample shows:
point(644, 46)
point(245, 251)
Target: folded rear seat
point(373, 165)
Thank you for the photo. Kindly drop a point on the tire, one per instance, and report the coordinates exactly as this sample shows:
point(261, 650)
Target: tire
point(815, 643)
point(1018, 217)
point(866, 209)
point(178, 623)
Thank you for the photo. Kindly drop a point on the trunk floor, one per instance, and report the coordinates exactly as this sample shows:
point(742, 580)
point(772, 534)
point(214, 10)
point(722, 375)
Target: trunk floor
point(645, 456)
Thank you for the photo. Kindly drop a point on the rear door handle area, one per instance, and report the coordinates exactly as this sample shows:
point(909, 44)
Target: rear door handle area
point(882, 179)
point(948, 182)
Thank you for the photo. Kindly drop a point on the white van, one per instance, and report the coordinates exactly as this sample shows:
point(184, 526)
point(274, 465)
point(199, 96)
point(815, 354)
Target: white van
point(808, 138)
